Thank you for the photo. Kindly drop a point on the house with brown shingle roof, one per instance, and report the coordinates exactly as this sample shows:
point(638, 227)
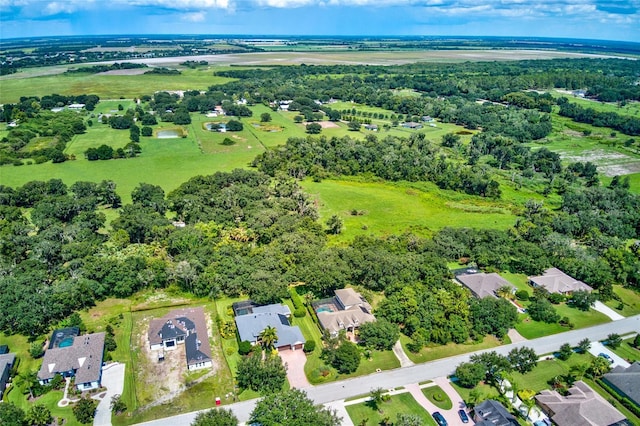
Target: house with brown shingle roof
point(555, 281)
point(347, 311)
point(74, 356)
point(484, 285)
point(581, 407)
point(180, 327)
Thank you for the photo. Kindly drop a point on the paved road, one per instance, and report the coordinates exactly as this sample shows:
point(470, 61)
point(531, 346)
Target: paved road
point(421, 372)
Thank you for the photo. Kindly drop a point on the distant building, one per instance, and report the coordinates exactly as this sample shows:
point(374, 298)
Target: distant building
point(372, 127)
point(484, 285)
point(582, 406)
point(412, 125)
point(555, 281)
point(72, 355)
point(76, 106)
point(186, 327)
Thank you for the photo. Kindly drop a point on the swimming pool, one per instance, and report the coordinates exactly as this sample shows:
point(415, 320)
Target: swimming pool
point(66, 342)
point(324, 309)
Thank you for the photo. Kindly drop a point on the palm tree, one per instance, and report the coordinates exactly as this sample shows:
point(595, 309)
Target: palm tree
point(529, 403)
point(506, 292)
point(268, 337)
point(579, 370)
point(376, 398)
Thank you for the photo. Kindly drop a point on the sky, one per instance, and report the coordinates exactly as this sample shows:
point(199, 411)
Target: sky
point(586, 19)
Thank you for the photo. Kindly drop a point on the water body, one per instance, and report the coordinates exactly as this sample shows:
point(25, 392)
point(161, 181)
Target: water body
point(169, 134)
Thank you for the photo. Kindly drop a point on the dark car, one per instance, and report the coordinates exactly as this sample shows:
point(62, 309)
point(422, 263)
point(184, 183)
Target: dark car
point(439, 419)
point(463, 416)
point(606, 356)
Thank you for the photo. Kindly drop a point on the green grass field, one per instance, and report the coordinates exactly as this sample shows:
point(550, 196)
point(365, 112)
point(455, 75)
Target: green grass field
point(107, 86)
point(627, 351)
point(392, 208)
point(403, 403)
point(433, 352)
point(530, 329)
point(629, 299)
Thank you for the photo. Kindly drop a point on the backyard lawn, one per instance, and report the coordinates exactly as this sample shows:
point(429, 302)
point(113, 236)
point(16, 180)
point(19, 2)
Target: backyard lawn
point(403, 403)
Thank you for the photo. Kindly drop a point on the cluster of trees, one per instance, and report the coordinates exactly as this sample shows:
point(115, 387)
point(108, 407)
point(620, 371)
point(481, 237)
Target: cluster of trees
point(105, 152)
point(489, 366)
point(392, 158)
point(95, 69)
point(622, 123)
point(57, 128)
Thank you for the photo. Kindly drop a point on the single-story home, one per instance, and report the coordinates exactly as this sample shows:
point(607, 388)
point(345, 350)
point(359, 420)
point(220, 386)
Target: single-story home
point(7, 361)
point(555, 281)
point(484, 285)
point(251, 321)
point(492, 413)
point(348, 310)
point(582, 406)
point(372, 127)
point(412, 125)
point(186, 327)
point(76, 106)
point(72, 355)
point(625, 381)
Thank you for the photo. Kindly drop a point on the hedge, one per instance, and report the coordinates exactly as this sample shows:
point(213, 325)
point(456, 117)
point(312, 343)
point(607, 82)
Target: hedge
point(300, 310)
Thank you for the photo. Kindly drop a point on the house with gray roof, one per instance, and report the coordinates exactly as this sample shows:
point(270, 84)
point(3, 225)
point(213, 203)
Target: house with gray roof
point(74, 356)
point(581, 407)
point(625, 381)
point(492, 413)
point(183, 327)
point(347, 311)
point(252, 322)
point(555, 281)
point(484, 285)
point(7, 361)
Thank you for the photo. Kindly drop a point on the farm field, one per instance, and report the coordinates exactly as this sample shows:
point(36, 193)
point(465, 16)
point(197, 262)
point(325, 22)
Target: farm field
point(104, 85)
point(388, 208)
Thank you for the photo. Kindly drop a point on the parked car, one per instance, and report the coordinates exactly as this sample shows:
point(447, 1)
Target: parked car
point(606, 356)
point(439, 419)
point(463, 416)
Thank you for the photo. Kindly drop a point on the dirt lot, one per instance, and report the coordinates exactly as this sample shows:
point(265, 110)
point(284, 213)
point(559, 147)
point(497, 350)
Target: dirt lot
point(158, 382)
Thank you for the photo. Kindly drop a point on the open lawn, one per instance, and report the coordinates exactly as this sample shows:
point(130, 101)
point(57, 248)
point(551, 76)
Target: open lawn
point(106, 86)
point(518, 280)
point(629, 299)
point(627, 351)
point(530, 329)
point(630, 108)
point(393, 208)
point(546, 370)
point(402, 403)
point(432, 352)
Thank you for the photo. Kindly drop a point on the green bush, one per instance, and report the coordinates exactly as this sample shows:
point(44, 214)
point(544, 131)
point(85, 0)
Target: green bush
point(244, 348)
point(299, 312)
point(309, 346)
point(522, 295)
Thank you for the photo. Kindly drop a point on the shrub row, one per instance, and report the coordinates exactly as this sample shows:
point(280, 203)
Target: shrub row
point(626, 402)
point(300, 311)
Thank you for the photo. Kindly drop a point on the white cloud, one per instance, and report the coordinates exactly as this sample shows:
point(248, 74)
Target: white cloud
point(194, 17)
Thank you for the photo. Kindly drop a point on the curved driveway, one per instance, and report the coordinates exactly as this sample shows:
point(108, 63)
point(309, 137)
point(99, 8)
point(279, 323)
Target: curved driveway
point(422, 372)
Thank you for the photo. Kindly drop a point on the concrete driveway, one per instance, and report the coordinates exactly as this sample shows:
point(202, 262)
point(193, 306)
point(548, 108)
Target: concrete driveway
point(602, 308)
point(113, 380)
point(598, 347)
point(294, 362)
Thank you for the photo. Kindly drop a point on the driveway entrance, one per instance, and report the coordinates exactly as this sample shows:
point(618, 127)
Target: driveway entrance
point(294, 362)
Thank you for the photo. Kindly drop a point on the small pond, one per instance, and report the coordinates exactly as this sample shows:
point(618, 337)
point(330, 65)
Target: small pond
point(169, 134)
